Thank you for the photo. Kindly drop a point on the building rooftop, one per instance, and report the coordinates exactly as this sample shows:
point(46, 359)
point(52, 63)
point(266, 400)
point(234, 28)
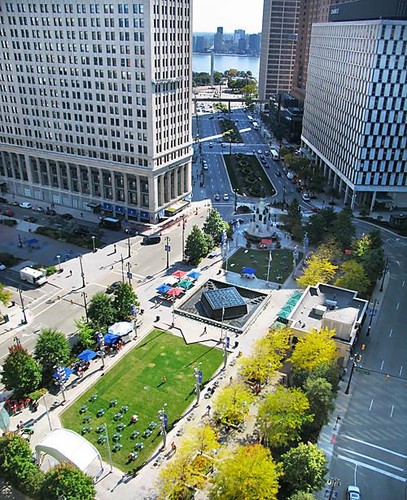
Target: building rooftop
point(224, 298)
point(328, 306)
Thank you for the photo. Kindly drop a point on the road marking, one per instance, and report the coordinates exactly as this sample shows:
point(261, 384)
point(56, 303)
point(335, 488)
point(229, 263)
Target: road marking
point(372, 459)
point(401, 370)
point(398, 305)
point(371, 404)
point(391, 332)
point(381, 366)
point(375, 469)
point(375, 446)
point(391, 411)
point(404, 282)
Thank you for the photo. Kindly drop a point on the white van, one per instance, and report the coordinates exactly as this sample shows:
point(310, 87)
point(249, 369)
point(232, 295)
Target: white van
point(274, 154)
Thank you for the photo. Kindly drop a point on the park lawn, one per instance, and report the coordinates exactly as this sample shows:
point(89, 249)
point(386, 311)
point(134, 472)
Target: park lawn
point(281, 265)
point(137, 381)
point(248, 179)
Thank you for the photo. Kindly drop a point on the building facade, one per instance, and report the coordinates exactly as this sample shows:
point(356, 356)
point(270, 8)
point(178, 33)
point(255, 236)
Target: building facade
point(278, 46)
point(218, 41)
point(355, 113)
point(95, 104)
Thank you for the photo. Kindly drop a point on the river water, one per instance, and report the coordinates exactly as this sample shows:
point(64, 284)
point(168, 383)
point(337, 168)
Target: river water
point(222, 62)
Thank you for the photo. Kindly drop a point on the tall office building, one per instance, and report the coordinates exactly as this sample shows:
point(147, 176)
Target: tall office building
point(254, 44)
point(355, 113)
point(238, 34)
point(278, 45)
point(95, 104)
point(218, 40)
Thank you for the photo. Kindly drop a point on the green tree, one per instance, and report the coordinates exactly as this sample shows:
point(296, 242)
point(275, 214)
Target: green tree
point(51, 349)
point(67, 481)
point(320, 398)
point(318, 270)
point(20, 371)
point(353, 277)
point(85, 335)
point(215, 225)
point(249, 473)
point(302, 495)
point(196, 246)
point(328, 371)
point(281, 416)
point(101, 312)
point(16, 464)
point(314, 348)
point(231, 404)
point(343, 229)
point(304, 468)
point(5, 295)
point(124, 298)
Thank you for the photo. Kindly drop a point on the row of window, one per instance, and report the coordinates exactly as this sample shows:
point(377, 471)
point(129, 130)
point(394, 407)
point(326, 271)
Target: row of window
point(68, 8)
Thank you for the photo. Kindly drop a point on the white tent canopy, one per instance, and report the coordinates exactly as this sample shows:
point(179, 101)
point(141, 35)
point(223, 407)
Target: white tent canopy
point(67, 446)
point(121, 328)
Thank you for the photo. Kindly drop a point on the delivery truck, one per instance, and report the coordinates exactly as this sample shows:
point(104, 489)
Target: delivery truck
point(36, 277)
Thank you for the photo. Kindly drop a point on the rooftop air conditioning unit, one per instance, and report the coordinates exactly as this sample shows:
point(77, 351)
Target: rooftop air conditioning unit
point(331, 303)
point(319, 310)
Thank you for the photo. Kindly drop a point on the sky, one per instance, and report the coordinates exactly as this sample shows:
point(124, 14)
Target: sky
point(231, 14)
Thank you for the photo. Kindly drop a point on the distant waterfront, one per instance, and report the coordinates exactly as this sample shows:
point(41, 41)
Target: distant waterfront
point(202, 63)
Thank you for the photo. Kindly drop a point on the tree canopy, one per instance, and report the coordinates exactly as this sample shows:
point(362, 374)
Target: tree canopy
point(304, 468)
point(52, 349)
point(318, 270)
point(248, 473)
point(123, 300)
point(314, 348)
point(232, 402)
point(281, 416)
point(67, 481)
point(320, 397)
point(196, 246)
point(21, 371)
point(353, 277)
point(215, 225)
point(101, 312)
point(5, 295)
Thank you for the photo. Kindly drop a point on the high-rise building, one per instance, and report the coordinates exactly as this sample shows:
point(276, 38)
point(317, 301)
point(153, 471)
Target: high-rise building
point(95, 104)
point(238, 34)
point(355, 112)
point(278, 45)
point(218, 40)
point(254, 43)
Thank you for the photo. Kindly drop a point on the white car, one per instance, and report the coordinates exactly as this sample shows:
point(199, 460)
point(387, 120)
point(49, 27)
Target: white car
point(2, 267)
point(353, 493)
point(226, 197)
point(305, 196)
point(25, 204)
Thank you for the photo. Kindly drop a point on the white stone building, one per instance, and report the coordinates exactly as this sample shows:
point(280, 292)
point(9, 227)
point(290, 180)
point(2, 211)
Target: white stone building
point(95, 104)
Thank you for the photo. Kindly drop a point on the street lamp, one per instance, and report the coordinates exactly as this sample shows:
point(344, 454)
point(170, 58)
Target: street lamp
point(198, 382)
point(225, 340)
point(102, 346)
point(24, 322)
point(268, 265)
point(163, 417)
point(356, 357)
point(128, 244)
point(122, 261)
point(129, 273)
point(61, 376)
point(93, 243)
point(384, 273)
point(109, 453)
point(184, 222)
point(85, 305)
point(82, 273)
point(167, 250)
point(59, 263)
point(372, 313)
point(333, 481)
point(134, 314)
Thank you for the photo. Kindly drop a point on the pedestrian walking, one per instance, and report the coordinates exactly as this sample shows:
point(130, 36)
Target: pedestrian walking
point(208, 410)
point(204, 331)
point(164, 379)
point(114, 248)
point(230, 380)
point(70, 272)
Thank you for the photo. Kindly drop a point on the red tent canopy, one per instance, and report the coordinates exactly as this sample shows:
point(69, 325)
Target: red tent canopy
point(265, 241)
point(179, 274)
point(175, 292)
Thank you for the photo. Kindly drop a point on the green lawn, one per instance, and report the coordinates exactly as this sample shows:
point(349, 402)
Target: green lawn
point(281, 264)
point(248, 176)
point(137, 382)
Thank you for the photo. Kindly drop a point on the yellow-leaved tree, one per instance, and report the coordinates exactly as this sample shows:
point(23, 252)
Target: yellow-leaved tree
point(249, 472)
point(318, 270)
point(232, 403)
point(315, 348)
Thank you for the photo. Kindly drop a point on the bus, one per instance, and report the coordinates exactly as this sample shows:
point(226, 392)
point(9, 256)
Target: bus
point(110, 223)
point(250, 118)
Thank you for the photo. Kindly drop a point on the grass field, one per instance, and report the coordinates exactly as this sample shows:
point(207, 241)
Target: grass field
point(280, 267)
point(138, 381)
point(248, 176)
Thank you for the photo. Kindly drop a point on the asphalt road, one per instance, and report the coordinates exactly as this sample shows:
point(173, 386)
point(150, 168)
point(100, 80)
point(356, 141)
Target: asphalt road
point(371, 444)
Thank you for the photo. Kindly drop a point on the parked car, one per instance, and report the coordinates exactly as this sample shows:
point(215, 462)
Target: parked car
point(26, 204)
point(13, 203)
point(353, 493)
point(67, 216)
point(112, 287)
point(38, 209)
point(2, 267)
point(30, 219)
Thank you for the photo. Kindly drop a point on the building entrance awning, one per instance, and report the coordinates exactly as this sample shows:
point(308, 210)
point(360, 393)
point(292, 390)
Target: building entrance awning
point(175, 208)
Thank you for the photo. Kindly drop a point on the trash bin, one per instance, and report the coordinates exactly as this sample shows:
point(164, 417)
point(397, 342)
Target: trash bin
point(6, 319)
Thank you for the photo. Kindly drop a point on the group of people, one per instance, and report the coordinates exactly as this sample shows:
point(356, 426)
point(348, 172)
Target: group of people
point(80, 367)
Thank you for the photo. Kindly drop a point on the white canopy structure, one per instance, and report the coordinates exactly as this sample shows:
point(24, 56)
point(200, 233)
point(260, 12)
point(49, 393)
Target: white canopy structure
point(67, 446)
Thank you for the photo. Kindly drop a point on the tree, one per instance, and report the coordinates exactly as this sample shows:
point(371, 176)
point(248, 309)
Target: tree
point(215, 225)
point(85, 335)
point(232, 404)
point(353, 277)
point(250, 472)
point(314, 348)
point(52, 349)
point(343, 229)
point(67, 481)
point(281, 416)
point(201, 440)
point(101, 312)
point(5, 295)
point(304, 468)
point(302, 495)
point(318, 270)
point(17, 466)
point(123, 300)
point(196, 246)
point(328, 371)
point(20, 371)
point(320, 397)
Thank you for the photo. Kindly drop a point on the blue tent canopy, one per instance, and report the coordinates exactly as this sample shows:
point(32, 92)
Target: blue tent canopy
point(248, 270)
point(68, 372)
point(87, 355)
point(111, 338)
point(163, 288)
point(194, 275)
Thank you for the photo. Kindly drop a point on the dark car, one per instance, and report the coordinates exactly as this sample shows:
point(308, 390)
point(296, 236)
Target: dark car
point(3, 200)
point(13, 203)
point(151, 240)
point(67, 216)
point(30, 219)
point(111, 288)
point(50, 211)
point(278, 173)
